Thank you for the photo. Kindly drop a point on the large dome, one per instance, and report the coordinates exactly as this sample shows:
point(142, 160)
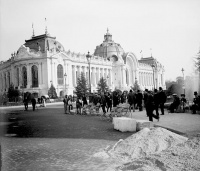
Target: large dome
point(109, 48)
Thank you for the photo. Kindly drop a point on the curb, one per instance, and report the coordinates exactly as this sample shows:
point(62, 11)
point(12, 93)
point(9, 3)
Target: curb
point(172, 130)
point(48, 104)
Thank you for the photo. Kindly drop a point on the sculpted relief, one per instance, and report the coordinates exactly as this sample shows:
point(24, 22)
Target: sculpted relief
point(26, 52)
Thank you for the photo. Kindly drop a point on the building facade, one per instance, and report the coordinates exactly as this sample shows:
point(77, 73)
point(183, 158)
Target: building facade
point(42, 61)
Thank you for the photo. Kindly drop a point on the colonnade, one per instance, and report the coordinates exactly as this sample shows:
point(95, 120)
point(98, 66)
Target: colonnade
point(151, 79)
point(95, 74)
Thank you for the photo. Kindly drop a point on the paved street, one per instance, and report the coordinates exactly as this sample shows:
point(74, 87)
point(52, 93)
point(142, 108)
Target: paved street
point(47, 139)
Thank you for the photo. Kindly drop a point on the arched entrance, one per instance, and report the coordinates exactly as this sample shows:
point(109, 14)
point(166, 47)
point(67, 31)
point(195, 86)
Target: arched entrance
point(61, 93)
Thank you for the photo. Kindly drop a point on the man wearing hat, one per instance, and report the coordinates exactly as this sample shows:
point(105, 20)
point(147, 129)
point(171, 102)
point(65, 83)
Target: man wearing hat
point(196, 103)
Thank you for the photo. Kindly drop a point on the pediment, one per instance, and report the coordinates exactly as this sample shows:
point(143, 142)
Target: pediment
point(61, 55)
point(26, 52)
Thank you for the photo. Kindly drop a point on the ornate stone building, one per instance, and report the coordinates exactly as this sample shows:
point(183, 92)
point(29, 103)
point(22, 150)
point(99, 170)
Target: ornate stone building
point(42, 61)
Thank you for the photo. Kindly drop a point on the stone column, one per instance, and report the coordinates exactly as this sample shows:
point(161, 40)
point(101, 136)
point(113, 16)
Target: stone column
point(73, 76)
point(110, 77)
point(39, 75)
point(29, 78)
point(98, 74)
point(93, 76)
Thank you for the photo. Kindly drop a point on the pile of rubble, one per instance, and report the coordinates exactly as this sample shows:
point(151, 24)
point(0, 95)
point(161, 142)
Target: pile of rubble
point(154, 149)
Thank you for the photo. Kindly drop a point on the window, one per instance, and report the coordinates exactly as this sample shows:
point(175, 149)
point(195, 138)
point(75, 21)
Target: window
point(24, 77)
point(8, 79)
point(34, 71)
point(60, 74)
point(17, 76)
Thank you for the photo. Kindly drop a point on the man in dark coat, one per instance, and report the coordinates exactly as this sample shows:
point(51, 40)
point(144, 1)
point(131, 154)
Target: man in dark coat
point(26, 103)
point(196, 103)
point(108, 101)
point(139, 98)
point(103, 103)
point(115, 99)
point(162, 99)
point(131, 100)
point(33, 101)
point(84, 99)
point(150, 107)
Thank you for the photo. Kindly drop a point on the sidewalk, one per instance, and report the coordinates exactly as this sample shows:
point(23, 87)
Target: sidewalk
point(182, 123)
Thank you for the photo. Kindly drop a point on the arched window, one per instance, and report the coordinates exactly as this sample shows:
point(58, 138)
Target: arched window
point(127, 81)
point(34, 71)
point(60, 74)
point(24, 77)
point(8, 79)
point(17, 76)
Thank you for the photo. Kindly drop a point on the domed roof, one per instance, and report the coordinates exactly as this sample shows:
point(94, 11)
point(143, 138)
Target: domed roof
point(108, 48)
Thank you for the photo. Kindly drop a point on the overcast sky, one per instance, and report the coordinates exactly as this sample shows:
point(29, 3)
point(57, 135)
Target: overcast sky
point(171, 28)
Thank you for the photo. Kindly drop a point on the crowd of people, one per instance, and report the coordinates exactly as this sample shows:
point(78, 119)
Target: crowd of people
point(137, 100)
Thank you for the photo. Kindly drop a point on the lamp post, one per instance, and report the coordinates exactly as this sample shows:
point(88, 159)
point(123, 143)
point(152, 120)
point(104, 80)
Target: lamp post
point(65, 76)
point(183, 81)
point(88, 56)
point(153, 66)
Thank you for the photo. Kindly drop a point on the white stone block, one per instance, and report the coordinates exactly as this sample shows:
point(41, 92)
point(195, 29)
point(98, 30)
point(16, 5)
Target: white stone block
point(124, 124)
point(140, 124)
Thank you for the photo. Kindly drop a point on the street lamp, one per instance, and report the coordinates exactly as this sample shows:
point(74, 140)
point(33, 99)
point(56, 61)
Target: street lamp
point(183, 81)
point(65, 76)
point(153, 66)
point(88, 56)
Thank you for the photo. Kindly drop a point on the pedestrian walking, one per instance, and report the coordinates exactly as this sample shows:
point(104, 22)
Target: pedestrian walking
point(150, 107)
point(162, 99)
point(65, 104)
point(131, 100)
point(139, 98)
point(103, 103)
point(25, 103)
point(33, 101)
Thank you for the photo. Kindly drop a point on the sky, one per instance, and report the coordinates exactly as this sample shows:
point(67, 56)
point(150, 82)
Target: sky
point(167, 29)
